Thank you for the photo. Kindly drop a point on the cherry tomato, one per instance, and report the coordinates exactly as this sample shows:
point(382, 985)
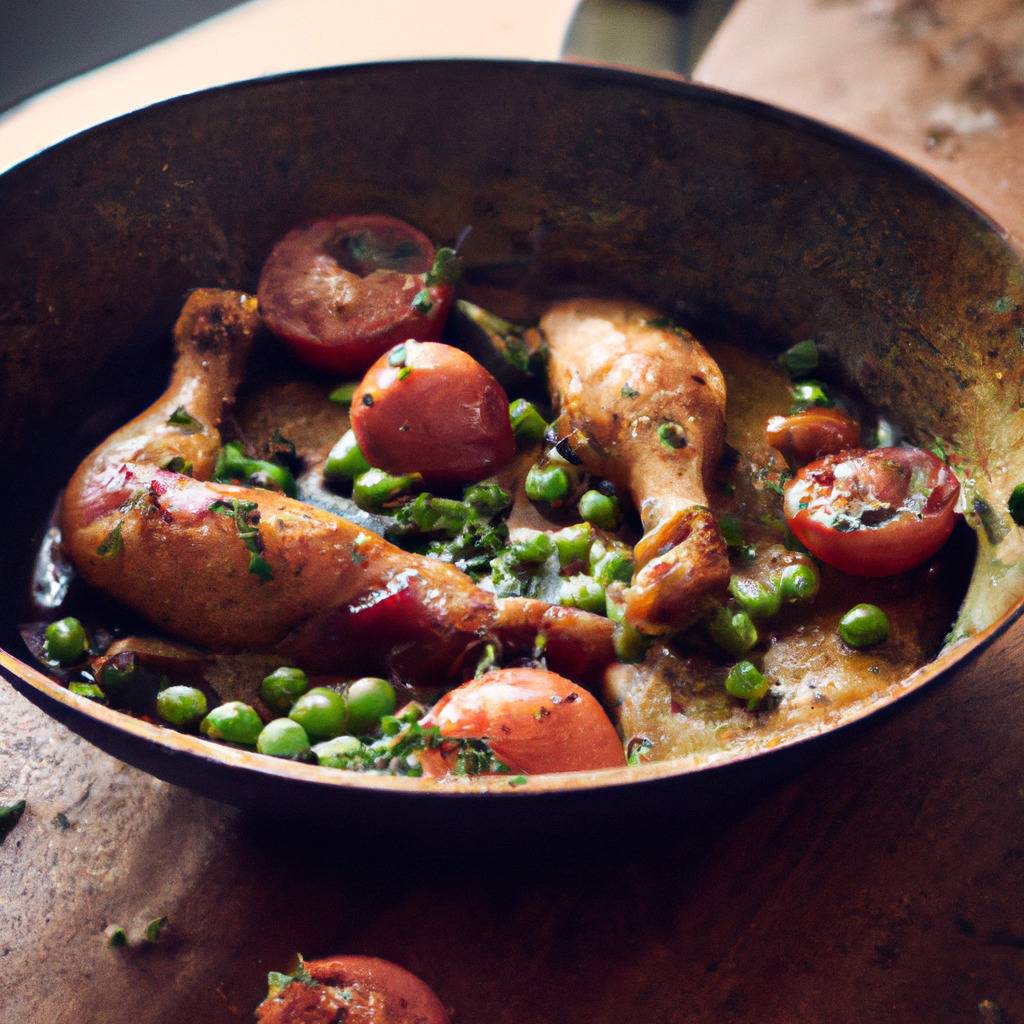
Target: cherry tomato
point(340, 291)
point(357, 989)
point(806, 435)
point(535, 721)
point(873, 513)
point(429, 408)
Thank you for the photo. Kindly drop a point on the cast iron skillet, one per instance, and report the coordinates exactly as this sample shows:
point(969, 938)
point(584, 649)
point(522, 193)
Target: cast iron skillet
point(719, 208)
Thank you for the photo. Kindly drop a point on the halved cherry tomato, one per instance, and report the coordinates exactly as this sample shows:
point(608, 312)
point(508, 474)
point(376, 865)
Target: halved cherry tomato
point(429, 408)
point(873, 513)
point(356, 989)
point(806, 435)
point(533, 720)
point(340, 291)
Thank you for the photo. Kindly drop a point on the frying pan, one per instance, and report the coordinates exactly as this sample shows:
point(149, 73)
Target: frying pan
point(720, 209)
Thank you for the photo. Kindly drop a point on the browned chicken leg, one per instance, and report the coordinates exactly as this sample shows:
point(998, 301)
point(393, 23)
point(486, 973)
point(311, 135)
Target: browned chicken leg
point(648, 404)
point(235, 568)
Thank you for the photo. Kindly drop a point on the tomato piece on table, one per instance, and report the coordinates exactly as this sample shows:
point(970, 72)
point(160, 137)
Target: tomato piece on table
point(873, 513)
point(806, 435)
point(533, 720)
point(340, 291)
point(356, 989)
point(433, 409)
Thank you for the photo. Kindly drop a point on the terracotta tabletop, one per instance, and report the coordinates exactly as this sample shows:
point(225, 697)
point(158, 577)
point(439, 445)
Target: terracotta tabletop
point(884, 882)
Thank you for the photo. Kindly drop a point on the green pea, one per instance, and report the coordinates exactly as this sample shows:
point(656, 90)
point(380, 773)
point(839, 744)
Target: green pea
point(734, 632)
point(547, 483)
point(600, 509)
point(527, 423)
point(533, 549)
point(864, 625)
point(629, 643)
point(573, 543)
point(233, 722)
point(119, 674)
point(810, 393)
point(339, 752)
point(345, 460)
point(800, 359)
point(614, 567)
point(369, 700)
point(283, 687)
point(181, 705)
point(375, 488)
point(343, 394)
point(487, 497)
point(88, 690)
point(65, 642)
point(747, 683)
point(321, 712)
point(759, 600)
point(1016, 504)
point(582, 592)
point(798, 582)
point(282, 738)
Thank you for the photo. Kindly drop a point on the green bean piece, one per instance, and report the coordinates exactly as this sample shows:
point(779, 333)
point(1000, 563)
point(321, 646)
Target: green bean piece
point(600, 509)
point(233, 722)
point(800, 359)
point(181, 705)
point(375, 488)
point(88, 690)
point(343, 394)
point(864, 625)
point(321, 712)
point(345, 460)
point(340, 752)
point(582, 592)
point(734, 632)
point(369, 700)
point(810, 393)
point(798, 582)
point(547, 483)
point(758, 600)
point(527, 423)
point(573, 543)
point(65, 641)
point(283, 687)
point(747, 683)
point(533, 549)
point(282, 738)
point(1016, 504)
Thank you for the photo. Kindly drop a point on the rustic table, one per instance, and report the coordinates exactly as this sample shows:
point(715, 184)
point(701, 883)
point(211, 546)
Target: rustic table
point(884, 883)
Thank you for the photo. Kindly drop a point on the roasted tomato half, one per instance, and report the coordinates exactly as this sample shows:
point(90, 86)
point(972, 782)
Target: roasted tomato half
point(533, 721)
point(356, 989)
point(430, 408)
point(341, 291)
point(873, 513)
point(806, 435)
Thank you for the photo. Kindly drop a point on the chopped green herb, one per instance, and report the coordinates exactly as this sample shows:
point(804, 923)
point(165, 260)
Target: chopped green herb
point(343, 394)
point(181, 417)
point(10, 815)
point(110, 546)
point(628, 391)
point(154, 929)
point(731, 530)
point(447, 267)
point(800, 359)
point(475, 757)
point(671, 435)
point(116, 936)
point(809, 394)
point(178, 464)
point(938, 449)
point(518, 780)
point(421, 302)
point(247, 517)
point(639, 748)
point(486, 662)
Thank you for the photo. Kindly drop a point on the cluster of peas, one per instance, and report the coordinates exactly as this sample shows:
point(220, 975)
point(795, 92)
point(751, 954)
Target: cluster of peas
point(329, 718)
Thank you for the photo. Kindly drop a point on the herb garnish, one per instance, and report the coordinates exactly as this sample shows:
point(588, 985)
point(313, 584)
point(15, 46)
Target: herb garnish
point(178, 464)
point(181, 417)
point(155, 929)
point(247, 517)
point(671, 435)
point(447, 267)
point(628, 391)
point(111, 545)
point(421, 302)
point(342, 394)
point(639, 748)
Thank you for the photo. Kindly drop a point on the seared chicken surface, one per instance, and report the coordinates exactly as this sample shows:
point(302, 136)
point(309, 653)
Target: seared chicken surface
point(234, 568)
point(644, 406)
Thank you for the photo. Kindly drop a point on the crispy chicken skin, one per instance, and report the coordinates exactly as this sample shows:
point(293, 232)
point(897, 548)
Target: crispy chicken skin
point(326, 595)
point(644, 405)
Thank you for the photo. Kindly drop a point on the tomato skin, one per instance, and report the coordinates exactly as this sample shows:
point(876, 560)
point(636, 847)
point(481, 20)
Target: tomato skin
point(430, 408)
point(379, 992)
point(817, 431)
point(534, 720)
point(339, 291)
point(909, 492)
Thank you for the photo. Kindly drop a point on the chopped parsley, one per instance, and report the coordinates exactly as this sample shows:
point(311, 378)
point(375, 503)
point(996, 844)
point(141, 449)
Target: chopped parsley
point(639, 748)
point(421, 302)
point(628, 391)
point(155, 929)
point(247, 517)
point(447, 267)
point(800, 359)
point(181, 417)
point(111, 545)
point(671, 436)
point(178, 464)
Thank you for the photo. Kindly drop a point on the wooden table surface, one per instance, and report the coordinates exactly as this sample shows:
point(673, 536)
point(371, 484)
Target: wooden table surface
point(884, 883)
